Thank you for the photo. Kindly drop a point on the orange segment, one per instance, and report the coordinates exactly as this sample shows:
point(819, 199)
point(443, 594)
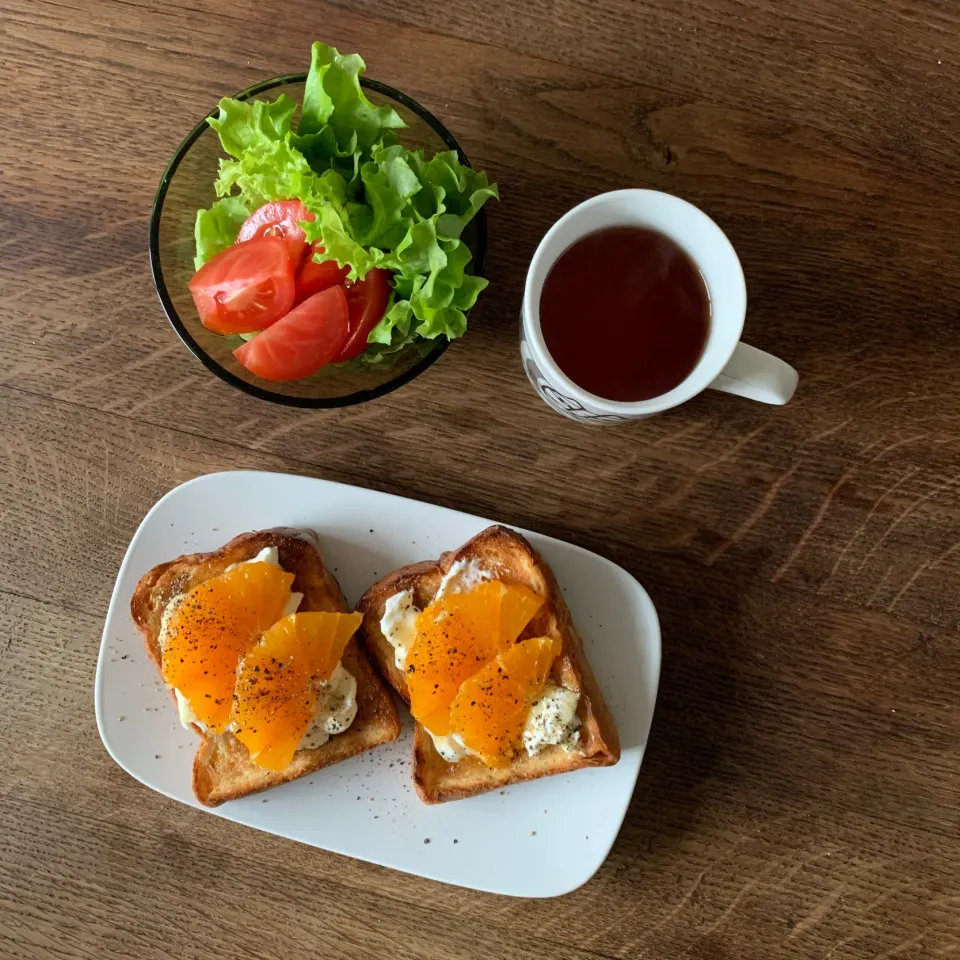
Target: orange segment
point(450, 646)
point(491, 708)
point(214, 625)
point(456, 636)
point(489, 713)
point(276, 693)
point(518, 606)
point(318, 638)
point(497, 608)
point(529, 662)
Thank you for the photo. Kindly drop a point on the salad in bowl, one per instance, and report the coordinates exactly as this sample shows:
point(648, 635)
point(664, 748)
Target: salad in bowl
point(333, 251)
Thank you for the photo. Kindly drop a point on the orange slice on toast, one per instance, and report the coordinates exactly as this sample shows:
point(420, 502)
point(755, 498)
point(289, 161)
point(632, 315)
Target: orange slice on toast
point(212, 627)
point(491, 707)
point(276, 692)
point(456, 636)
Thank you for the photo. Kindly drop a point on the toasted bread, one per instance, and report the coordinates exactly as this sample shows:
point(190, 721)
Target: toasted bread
point(510, 558)
point(222, 768)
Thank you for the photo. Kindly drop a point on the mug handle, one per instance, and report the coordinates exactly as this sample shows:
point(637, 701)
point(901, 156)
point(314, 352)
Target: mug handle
point(756, 375)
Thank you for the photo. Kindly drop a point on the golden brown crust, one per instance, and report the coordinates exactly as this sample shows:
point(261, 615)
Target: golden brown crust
point(511, 558)
point(222, 768)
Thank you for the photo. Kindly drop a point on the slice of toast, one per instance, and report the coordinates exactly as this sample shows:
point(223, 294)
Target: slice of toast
point(507, 556)
point(222, 768)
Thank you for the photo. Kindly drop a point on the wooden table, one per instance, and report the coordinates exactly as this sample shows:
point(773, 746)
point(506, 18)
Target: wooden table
point(799, 797)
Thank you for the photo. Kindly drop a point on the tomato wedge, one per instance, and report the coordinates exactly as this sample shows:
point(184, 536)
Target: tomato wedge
point(303, 341)
point(367, 299)
point(312, 277)
point(279, 219)
point(244, 288)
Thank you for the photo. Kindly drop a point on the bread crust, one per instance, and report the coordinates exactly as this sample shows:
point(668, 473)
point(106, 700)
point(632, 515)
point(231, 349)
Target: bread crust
point(222, 768)
point(511, 558)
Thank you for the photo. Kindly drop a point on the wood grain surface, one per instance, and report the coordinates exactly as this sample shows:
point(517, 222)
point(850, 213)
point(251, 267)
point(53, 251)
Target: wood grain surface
point(799, 796)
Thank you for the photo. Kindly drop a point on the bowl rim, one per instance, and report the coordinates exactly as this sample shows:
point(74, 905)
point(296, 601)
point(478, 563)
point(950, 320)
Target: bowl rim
point(358, 396)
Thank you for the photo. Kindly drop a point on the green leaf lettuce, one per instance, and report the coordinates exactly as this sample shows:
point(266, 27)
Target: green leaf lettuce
point(217, 228)
point(375, 202)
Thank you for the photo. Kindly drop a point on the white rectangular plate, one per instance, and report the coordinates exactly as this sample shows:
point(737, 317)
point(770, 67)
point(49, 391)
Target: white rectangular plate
point(537, 839)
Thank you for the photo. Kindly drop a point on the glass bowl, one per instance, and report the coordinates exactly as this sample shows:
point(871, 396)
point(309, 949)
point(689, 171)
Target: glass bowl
point(187, 186)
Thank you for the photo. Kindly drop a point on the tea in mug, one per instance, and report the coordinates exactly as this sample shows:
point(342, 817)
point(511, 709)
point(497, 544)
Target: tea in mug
point(625, 313)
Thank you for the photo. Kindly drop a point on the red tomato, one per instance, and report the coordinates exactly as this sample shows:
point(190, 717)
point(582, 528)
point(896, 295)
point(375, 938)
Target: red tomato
point(303, 341)
point(245, 287)
point(312, 277)
point(279, 219)
point(367, 299)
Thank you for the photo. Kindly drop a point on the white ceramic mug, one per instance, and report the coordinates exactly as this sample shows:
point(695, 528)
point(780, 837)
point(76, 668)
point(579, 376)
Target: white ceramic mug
point(726, 364)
